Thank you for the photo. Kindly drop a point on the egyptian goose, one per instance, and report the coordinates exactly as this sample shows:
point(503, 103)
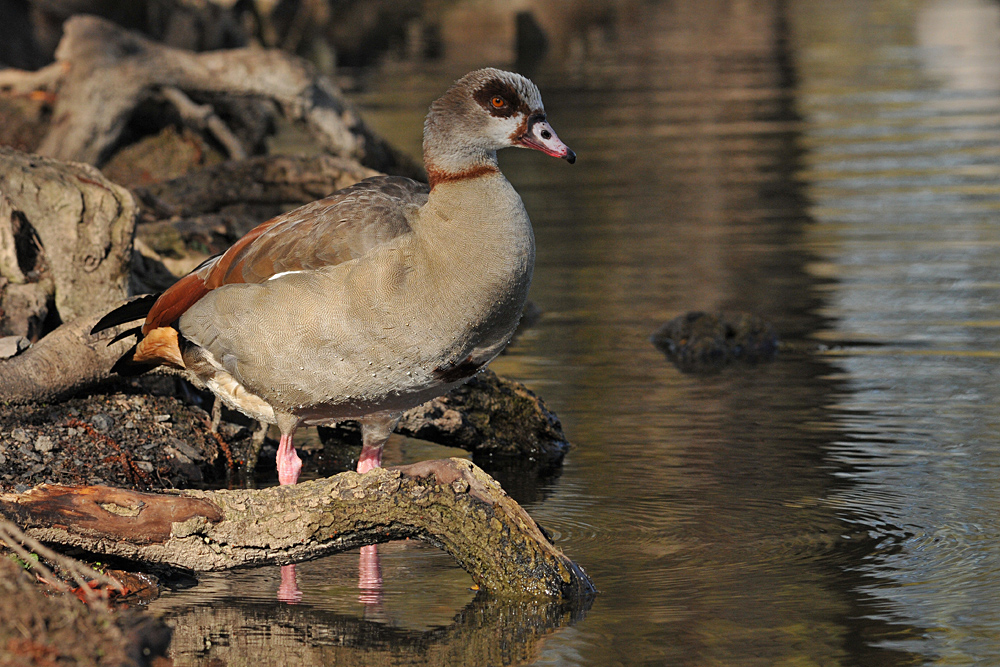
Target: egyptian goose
point(370, 301)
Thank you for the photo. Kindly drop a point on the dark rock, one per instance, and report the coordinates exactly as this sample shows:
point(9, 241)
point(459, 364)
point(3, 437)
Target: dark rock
point(487, 415)
point(706, 341)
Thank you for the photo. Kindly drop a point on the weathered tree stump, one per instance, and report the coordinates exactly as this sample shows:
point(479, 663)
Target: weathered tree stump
point(66, 232)
point(450, 503)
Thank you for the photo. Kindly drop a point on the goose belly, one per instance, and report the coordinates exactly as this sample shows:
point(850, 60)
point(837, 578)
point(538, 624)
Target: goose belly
point(321, 370)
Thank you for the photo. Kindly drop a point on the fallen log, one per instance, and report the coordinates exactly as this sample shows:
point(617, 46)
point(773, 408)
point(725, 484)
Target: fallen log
point(450, 503)
point(66, 361)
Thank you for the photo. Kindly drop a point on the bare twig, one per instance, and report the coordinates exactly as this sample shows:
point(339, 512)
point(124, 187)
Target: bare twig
point(203, 117)
point(15, 539)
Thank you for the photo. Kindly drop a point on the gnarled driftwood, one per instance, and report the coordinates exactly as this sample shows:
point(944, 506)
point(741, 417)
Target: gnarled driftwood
point(103, 74)
point(449, 503)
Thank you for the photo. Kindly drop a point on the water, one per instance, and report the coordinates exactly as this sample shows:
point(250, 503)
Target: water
point(832, 167)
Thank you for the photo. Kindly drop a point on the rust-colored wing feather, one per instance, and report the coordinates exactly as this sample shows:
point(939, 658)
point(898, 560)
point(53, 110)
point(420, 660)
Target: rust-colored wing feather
point(341, 227)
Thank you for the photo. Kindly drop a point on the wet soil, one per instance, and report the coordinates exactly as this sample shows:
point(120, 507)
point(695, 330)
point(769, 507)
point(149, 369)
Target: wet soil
point(119, 438)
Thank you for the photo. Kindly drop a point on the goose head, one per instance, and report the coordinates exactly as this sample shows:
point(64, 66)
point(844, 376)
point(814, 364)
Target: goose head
point(483, 112)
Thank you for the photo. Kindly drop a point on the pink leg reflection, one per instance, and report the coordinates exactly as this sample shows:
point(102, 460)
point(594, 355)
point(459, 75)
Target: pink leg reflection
point(370, 576)
point(288, 591)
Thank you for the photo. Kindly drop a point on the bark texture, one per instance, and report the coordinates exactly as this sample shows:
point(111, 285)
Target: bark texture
point(65, 226)
point(449, 503)
point(66, 361)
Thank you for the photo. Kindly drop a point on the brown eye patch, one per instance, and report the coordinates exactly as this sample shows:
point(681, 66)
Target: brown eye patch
point(500, 99)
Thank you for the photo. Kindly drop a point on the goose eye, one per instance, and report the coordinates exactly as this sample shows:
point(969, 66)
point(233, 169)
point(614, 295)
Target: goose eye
point(498, 102)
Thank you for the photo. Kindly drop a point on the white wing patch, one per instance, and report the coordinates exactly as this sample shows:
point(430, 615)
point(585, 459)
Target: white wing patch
point(285, 273)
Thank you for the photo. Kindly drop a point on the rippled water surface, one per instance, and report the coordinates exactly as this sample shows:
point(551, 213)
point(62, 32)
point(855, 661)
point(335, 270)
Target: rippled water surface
point(831, 166)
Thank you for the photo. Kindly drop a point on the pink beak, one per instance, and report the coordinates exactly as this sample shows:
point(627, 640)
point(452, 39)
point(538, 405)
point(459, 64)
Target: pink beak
point(542, 137)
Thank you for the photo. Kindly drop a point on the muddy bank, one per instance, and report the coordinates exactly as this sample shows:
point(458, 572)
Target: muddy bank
point(128, 439)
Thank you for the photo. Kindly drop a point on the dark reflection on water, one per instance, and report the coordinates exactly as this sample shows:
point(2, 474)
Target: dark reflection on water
point(829, 166)
point(227, 626)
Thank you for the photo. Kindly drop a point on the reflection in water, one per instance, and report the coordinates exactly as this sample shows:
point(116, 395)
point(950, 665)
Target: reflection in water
point(369, 576)
point(831, 167)
point(906, 187)
point(229, 628)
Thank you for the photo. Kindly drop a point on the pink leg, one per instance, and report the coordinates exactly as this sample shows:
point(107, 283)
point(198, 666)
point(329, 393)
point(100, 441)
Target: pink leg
point(289, 463)
point(374, 432)
point(371, 457)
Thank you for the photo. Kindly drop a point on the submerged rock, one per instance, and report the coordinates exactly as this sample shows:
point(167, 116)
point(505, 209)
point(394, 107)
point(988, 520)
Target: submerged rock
point(701, 341)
